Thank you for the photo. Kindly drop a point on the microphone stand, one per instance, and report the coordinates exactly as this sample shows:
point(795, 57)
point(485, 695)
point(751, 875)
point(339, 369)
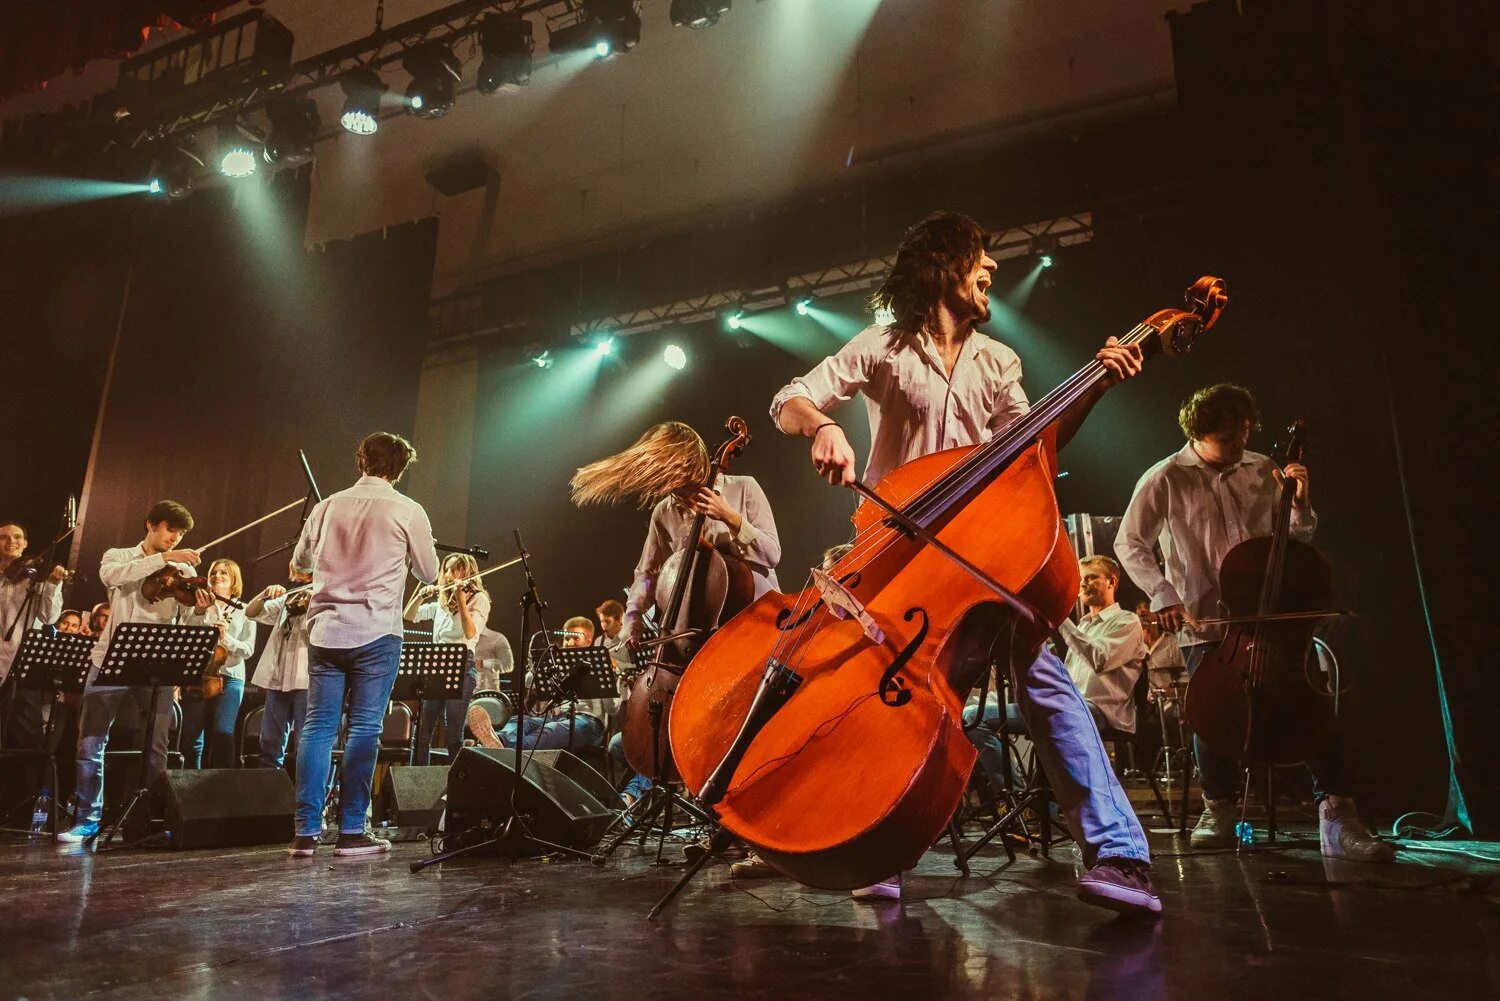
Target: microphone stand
point(516, 833)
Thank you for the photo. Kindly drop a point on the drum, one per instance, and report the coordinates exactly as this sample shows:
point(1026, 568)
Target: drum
point(496, 704)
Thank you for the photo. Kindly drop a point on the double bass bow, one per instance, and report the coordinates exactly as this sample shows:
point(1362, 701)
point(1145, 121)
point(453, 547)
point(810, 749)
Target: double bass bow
point(825, 727)
point(1256, 696)
point(706, 587)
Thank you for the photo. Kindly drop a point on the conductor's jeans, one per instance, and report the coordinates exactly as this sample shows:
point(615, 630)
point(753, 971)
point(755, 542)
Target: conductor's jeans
point(100, 706)
point(1219, 773)
point(368, 673)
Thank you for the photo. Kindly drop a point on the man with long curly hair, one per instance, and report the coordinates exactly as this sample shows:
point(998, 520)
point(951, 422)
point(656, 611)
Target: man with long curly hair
point(1197, 505)
point(932, 381)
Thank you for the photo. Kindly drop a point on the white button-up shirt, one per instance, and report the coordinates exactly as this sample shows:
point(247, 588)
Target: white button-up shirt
point(122, 570)
point(448, 626)
point(238, 640)
point(1106, 651)
point(283, 663)
point(357, 544)
point(915, 407)
point(1197, 514)
point(495, 659)
point(756, 542)
point(45, 610)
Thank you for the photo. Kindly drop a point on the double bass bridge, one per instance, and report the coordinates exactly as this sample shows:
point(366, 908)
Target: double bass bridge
point(844, 604)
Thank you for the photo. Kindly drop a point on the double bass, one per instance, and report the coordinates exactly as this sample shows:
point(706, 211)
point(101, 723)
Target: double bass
point(825, 727)
point(1257, 696)
point(706, 587)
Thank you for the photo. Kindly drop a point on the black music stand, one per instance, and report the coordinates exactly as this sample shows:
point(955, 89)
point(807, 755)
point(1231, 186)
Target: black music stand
point(51, 664)
point(429, 671)
point(570, 674)
point(154, 655)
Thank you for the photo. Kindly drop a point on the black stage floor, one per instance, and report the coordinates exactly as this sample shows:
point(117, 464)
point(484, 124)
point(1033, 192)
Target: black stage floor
point(251, 923)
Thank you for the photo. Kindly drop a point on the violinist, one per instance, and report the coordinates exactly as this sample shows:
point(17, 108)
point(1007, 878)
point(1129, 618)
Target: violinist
point(458, 609)
point(1198, 504)
point(217, 714)
point(122, 571)
point(612, 635)
point(281, 670)
point(932, 381)
point(37, 601)
point(70, 622)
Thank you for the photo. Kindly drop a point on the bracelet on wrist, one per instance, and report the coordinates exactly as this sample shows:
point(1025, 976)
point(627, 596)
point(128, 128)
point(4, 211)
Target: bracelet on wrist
point(826, 424)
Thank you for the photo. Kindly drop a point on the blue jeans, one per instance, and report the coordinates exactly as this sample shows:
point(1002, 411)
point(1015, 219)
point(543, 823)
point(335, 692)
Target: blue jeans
point(451, 711)
point(284, 713)
point(1219, 773)
point(100, 706)
point(217, 716)
point(1083, 780)
point(368, 673)
point(639, 784)
point(551, 732)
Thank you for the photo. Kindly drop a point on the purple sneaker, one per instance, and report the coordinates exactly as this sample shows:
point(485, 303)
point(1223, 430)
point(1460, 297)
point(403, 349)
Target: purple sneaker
point(1120, 884)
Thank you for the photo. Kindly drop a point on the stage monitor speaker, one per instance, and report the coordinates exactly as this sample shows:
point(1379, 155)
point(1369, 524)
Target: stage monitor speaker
point(412, 796)
point(582, 772)
point(557, 808)
point(220, 807)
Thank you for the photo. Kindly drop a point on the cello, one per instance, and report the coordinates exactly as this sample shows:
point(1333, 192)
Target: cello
point(825, 727)
point(1255, 696)
point(706, 587)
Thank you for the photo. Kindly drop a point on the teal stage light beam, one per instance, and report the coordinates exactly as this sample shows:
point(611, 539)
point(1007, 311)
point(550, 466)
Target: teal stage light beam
point(23, 193)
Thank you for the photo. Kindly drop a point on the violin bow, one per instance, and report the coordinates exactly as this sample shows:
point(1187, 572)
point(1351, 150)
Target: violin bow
point(245, 528)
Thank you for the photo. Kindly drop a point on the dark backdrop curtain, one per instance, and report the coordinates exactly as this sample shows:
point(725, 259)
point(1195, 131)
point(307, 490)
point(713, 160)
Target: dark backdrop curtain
point(238, 348)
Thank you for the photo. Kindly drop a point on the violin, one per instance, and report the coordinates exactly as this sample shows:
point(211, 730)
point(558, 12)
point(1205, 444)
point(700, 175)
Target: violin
point(705, 587)
point(211, 684)
point(464, 592)
point(40, 567)
point(1258, 697)
point(825, 727)
point(170, 582)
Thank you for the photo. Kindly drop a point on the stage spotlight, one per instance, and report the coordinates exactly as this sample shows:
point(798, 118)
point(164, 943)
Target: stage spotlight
point(734, 319)
point(885, 316)
point(363, 90)
point(804, 306)
point(543, 360)
point(172, 173)
point(236, 153)
point(604, 27)
point(1045, 260)
point(675, 357)
point(604, 346)
point(507, 44)
point(294, 127)
point(434, 73)
point(698, 13)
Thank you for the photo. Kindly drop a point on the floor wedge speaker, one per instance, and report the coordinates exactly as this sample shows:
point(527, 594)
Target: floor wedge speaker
point(582, 772)
point(218, 807)
point(412, 796)
point(556, 808)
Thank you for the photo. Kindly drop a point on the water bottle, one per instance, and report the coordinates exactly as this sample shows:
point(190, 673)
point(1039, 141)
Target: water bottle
point(1245, 833)
point(41, 813)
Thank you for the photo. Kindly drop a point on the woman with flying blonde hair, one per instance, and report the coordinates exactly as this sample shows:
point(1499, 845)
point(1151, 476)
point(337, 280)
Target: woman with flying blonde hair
point(665, 470)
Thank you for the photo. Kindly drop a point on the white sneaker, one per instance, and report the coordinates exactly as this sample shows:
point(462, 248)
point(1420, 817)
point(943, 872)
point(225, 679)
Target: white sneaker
point(1344, 835)
point(886, 889)
point(1215, 825)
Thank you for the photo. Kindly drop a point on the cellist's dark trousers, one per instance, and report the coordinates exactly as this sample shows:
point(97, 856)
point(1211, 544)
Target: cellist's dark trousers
point(1219, 773)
